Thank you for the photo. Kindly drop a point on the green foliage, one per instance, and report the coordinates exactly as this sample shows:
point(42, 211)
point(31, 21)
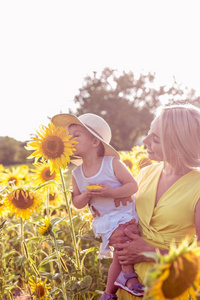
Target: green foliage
point(12, 152)
point(127, 102)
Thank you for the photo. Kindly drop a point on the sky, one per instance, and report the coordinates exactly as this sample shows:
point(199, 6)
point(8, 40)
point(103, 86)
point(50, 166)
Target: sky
point(49, 47)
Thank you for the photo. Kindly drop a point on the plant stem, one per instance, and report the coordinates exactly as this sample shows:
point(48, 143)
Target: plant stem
point(59, 265)
point(47, 204)
point(66, 192)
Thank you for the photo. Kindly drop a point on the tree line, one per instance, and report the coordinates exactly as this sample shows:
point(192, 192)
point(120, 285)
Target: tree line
point(126, 101)
point(12, 152)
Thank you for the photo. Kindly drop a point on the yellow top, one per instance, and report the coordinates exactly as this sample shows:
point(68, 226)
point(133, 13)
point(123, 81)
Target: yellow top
point(172, 219)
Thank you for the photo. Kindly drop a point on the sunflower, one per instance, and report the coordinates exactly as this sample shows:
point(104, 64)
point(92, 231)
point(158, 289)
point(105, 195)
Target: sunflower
point(3, 208)
point(43, 174)
point(22, 202)
point(46, 227)
point(11, 177)
point(175, 275)
point(140, 159)
point(24, 171)
point(127, 158)
point(55, 197)
point(54, 145)
point(39, 288)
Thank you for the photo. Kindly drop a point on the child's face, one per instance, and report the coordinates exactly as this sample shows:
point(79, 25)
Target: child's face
point(83, 137)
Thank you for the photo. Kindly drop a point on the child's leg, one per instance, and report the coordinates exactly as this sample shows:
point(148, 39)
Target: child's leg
point(113, 272)
point(128, 270)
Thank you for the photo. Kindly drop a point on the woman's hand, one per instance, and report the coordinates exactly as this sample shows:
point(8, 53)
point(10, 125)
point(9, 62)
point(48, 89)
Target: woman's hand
point(130, 252)
point(119, 235)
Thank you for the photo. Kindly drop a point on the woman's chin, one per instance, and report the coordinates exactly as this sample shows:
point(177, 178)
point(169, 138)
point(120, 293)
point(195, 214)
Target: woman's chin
point(151, 156)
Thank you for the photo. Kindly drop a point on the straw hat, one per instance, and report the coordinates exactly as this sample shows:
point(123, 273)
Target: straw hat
point(94, 124)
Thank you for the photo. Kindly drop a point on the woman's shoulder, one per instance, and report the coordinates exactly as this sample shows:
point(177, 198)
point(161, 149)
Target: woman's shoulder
point(152, 168)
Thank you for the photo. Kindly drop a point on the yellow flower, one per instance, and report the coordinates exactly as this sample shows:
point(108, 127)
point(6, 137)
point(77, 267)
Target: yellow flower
point(46, 227)
point(11, 177)
point(175, 275)
point(141, 159)
point(55, 197)
point(22, 202)
point(127, 158)
point(3, 208)
point(43, 174)
point(94, 186)
point(54, 145)
point(1, 168)
point(39, 288)
point(24, 171)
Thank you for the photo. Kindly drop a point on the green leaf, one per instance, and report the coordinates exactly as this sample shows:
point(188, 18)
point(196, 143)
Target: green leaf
point(9, 253)
point(48, 259)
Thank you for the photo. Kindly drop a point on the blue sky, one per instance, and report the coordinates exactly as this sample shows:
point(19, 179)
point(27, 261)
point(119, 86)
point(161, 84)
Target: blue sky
point(48, 47)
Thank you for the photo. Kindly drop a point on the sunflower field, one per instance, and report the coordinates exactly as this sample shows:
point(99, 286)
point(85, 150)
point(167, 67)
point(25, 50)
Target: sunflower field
point(47, 246)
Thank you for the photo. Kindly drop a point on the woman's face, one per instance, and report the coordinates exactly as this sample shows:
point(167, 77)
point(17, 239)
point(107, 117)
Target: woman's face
point(153, 143)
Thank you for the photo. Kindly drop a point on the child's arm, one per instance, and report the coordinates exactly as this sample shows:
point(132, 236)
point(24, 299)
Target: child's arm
point(129, 184)
point(79, 200)
point(128, 188)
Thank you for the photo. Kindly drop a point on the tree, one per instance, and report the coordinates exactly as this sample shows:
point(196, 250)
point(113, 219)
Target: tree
point(12, 151)
point(126, 102)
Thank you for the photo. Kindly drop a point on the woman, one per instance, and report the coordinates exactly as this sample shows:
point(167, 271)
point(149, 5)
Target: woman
point(168, 197)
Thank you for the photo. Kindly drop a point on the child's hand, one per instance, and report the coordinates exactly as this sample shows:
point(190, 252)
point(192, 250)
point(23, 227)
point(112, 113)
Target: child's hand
point(104, 191)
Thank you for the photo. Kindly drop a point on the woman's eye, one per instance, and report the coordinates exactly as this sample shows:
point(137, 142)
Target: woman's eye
point(156, 140)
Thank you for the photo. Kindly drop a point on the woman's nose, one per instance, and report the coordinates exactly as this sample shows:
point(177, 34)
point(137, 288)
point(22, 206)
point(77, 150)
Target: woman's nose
point(146, 140)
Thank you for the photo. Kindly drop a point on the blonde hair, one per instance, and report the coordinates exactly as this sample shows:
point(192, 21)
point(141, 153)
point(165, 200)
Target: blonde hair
point(180, 135)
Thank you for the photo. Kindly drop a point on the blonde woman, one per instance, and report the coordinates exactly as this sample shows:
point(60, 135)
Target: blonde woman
point(168, 197)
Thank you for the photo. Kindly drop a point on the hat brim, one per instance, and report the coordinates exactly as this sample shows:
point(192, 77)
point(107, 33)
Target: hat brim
point(65, 120)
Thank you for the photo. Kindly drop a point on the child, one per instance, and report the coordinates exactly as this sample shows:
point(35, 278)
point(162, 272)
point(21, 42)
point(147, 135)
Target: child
point(109, 199)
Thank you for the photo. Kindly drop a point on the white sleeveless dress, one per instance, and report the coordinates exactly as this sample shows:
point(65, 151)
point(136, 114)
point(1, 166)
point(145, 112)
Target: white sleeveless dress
point(110, 216)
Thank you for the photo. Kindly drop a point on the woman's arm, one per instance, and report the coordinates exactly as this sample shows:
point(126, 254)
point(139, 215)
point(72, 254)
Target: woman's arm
point(131, 251)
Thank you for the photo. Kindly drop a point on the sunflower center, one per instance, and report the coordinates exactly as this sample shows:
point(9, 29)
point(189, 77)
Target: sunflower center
point(52, 197)
point(144, 162)
point(46, 174)
point(13, 179)
point(128, 163)
point(22, 199)
point(53, 147)
point(182, 275)
point(40, 291)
